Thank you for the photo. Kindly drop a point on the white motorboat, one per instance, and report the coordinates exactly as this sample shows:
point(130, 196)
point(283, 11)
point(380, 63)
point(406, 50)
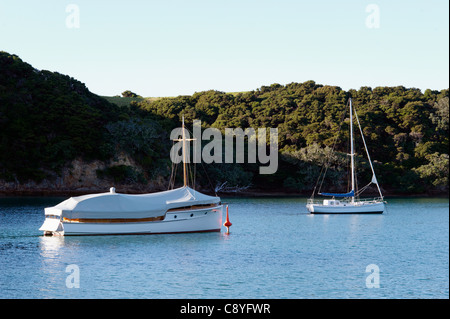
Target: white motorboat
point(350, 202)
point(179, 210)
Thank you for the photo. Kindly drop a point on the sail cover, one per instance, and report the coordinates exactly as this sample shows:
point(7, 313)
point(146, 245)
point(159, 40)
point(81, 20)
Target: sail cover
point(115, 205)
point(350, 194)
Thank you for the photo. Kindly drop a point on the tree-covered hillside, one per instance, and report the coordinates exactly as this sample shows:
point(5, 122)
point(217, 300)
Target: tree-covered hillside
point(406, 130)
point(48, 119)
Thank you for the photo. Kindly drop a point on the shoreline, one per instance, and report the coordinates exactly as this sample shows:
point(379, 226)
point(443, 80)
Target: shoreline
point(244, 194)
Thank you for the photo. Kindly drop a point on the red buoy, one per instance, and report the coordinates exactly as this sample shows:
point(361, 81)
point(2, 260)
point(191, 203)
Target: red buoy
point(227, 223)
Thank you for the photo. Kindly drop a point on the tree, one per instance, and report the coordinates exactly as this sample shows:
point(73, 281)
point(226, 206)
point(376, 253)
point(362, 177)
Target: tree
point(440, 117)
point(128, 93)
point(436, 171)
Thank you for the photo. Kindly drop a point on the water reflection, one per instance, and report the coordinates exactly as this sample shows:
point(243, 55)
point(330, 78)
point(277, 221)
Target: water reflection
point(51, 267)
point(51, 246)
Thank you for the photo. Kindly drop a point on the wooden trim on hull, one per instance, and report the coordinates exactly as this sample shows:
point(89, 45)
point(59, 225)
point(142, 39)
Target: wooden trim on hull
point(148, 233)
point(112, 220)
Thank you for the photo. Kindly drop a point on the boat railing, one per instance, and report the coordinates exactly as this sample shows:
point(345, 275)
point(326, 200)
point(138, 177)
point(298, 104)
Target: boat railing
point(317, 201)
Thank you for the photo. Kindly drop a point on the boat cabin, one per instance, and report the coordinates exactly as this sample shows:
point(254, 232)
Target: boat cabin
point(332, 202)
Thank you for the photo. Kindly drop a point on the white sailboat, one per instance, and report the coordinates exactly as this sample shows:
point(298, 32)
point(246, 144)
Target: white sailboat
point(349, 203)
point(180, 210)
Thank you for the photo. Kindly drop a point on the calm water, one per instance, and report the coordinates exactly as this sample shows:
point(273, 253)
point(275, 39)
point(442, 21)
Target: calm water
point(274, 250)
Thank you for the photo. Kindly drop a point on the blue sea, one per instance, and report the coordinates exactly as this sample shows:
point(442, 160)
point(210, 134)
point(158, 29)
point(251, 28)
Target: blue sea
point(274, 250)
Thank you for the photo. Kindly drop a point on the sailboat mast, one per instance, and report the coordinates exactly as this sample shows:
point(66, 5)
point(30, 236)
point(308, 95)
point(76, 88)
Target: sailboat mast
point(184, 152)
point(352, 154)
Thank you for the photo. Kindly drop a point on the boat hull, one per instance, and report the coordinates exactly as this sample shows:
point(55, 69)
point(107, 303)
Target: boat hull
point(357, 208)
point(200, 220)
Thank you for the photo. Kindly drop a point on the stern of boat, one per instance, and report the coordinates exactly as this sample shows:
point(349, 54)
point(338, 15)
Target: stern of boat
point(52, 225)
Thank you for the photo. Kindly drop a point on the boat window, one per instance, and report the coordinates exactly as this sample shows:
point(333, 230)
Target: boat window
point(192, 215)
point(175, 216)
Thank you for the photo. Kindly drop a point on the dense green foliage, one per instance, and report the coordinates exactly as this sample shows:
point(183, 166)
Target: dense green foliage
point(48, 119)
point(406, 131)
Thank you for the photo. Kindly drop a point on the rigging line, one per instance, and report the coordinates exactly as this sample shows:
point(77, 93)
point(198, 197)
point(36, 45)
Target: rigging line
point(204, 169)
point(171, 173)
point(320, 187)
point(187, 174)
point(175, 173)
point(210, 183)
point(367, 152)
point(356, 179)
point(355, 172)
point(363, 189)
point(188, 168)
point(195, 164)
point(170, 179)
point(326, 160)
point(190, 173)
point(174, 176)
point(193, 171)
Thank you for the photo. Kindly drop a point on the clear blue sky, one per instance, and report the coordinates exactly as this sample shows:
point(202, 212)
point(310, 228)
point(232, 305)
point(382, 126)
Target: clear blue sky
point(174, 47)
